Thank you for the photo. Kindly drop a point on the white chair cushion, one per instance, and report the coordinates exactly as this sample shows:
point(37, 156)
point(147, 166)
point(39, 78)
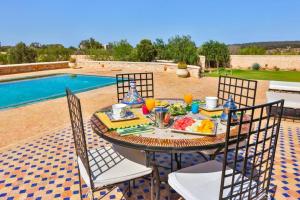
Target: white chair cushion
point(110, 167)
point(282, 85)
point(202, 181)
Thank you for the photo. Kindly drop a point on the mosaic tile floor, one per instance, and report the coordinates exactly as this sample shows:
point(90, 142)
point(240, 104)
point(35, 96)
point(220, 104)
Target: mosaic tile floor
point(45, 169)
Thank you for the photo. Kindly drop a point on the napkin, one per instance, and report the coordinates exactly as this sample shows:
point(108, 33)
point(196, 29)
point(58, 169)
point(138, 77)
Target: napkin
point(135, 130)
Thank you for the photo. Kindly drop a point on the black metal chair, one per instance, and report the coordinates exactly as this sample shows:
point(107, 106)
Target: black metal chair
point(246, 169)
point(145, 87)
point(243, 91)
point(103, 167)
point(144, 84)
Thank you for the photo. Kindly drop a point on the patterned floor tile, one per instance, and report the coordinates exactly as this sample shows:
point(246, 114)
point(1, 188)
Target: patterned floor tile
point(45, 169)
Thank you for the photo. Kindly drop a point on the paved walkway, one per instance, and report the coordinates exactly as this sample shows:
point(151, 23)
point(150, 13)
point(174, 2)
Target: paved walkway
point(44, 168)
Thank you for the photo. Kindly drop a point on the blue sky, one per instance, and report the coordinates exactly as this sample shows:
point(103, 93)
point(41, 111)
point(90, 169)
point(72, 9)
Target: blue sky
point(69, 21)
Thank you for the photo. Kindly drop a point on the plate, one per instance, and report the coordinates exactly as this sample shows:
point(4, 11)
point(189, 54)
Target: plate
point(128, 116)
point(213, 133)
point(219, 108)
point(161, 104)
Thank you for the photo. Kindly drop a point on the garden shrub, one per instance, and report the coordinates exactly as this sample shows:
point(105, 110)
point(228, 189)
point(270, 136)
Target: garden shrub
point(182, 65)
point(275, 68)
point(72, 60)
point(256, 66)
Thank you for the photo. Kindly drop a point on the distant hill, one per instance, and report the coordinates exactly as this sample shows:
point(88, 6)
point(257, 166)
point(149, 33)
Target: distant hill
point(269, 46)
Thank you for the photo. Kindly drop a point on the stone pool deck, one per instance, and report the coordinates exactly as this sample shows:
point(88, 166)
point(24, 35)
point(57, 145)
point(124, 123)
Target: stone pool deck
point(37, 151)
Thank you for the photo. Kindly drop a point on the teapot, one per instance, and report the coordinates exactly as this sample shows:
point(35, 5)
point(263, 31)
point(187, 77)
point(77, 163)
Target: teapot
point(133, 98)
point(229, 105)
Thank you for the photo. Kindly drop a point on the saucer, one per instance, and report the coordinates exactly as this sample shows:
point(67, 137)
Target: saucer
point(128, 116)
point(218, 108)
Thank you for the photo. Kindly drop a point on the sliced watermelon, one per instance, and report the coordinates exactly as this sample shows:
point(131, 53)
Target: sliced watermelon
point(182, 123)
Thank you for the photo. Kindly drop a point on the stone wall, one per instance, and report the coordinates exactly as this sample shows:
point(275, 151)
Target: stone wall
point(31, 67)
point(83, 58)
point(138, 66)
point(284, 62)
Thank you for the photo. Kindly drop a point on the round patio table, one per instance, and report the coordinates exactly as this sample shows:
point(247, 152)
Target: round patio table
point(163, 140)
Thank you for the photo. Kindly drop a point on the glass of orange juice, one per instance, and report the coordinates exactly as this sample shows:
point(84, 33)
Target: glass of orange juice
point(150, 104)
point(188, 98)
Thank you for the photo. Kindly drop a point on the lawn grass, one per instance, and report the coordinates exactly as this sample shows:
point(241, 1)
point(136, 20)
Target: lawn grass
point(292, 76)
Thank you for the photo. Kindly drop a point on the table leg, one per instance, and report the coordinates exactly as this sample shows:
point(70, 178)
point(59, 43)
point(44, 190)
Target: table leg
point(178, 161)
point(172, 162)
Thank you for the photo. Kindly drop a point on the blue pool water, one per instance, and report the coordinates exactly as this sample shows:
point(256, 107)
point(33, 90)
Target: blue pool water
point(20, 92)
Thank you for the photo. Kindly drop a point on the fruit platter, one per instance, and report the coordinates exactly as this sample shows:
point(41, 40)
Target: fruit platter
point(190, 125)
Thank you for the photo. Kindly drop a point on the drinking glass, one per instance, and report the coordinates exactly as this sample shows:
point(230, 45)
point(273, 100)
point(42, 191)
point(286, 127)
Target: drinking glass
point(150, 104)
point(195, 107)
point(188, 98)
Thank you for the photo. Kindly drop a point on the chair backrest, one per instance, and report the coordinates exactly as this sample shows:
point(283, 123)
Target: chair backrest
point(243, 91)
point(250, 151)
point(144, 84)
point(78, 131)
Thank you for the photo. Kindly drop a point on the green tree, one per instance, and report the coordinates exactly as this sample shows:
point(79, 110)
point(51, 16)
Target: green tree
point(72, 48)
point(161, 49)
point(53, 52)
point(21, 54)
point(183, 49)
point(134, 55)
point(252, 50)
point(122, 50)
point(216, 54)
point(90, 44)
point(146, 51)
point(109, 46)
point(3, 58)
point(35, 45)
point(99, 54)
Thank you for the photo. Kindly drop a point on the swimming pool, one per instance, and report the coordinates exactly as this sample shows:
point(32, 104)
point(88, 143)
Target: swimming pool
point(29, 90)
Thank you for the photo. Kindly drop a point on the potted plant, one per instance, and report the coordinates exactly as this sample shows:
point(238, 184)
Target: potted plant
point(72, 62)
point(182, 70)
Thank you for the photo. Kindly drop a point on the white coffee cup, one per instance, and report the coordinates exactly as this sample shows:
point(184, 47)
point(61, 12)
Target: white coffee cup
point(211, 102)
point(119, 110)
